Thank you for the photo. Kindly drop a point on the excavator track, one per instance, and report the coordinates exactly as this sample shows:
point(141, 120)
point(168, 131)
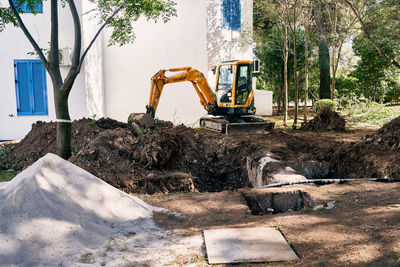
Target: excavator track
point(245, 125)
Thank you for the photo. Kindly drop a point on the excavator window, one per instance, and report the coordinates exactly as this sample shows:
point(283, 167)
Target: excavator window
point(243, 84)
point(226, 79)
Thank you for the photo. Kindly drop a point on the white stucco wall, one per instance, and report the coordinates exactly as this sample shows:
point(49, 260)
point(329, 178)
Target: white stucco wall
point(128, 69)
point(14, 45)
point(225, 44)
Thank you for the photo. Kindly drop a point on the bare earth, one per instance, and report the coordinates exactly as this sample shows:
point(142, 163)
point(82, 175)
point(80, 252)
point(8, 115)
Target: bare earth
point(363, 228)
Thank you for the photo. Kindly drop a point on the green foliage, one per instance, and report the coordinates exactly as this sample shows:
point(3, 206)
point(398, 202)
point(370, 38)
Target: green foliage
point(383, 23)
point(121, 24)
point(346, 86)
point(367, 111)
point(7, 175)
point(6, 17)
point(373, 73)
point(325, 104)
point(270, 53)
point(5, 149)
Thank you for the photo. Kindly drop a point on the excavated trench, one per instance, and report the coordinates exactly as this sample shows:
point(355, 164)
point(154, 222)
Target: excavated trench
point(277, 202)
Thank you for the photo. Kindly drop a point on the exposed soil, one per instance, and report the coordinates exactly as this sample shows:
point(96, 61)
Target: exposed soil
point(362, 229)
point(180, 159)
point(376, 155)
point(324, 121)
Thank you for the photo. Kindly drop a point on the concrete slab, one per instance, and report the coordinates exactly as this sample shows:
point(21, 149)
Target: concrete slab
point(247, 245)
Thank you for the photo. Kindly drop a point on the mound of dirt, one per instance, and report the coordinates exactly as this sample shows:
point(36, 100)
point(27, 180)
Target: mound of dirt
point(42, 140)
point(377, 155)
point(326, 120)
point(169, 160)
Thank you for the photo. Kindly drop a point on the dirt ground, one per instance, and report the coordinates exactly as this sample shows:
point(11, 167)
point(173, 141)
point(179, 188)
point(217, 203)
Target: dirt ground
point(362, 229)
point(205, 174)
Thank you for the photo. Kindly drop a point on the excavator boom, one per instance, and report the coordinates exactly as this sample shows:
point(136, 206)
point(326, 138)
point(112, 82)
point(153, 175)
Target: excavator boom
point(207, 98)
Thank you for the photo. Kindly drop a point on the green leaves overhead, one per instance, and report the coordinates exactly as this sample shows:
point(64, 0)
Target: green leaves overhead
point(6, 17)
point(121, 24)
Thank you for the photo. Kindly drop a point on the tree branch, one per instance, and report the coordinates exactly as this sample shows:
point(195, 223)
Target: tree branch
point(365, 30)
point(54, 54)
point(28, 35)
point(73, 71)
point(97, 34)
point(78, 34)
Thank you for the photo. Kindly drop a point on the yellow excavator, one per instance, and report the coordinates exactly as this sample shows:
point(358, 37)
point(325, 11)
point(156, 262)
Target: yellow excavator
point(230, 108)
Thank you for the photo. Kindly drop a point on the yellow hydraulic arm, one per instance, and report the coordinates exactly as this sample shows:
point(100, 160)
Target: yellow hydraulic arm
point(207, 98)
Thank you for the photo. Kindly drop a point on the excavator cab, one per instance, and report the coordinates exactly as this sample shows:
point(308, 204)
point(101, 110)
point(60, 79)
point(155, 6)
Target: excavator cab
point(234, 89)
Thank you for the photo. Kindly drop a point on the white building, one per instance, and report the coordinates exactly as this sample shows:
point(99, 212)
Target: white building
point(115, 81)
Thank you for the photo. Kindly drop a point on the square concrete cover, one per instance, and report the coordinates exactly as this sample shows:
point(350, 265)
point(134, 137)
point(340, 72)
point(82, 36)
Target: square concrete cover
point(247, 245)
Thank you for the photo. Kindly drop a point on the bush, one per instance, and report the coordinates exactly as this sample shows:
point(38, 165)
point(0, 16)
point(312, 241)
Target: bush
point(325, 104)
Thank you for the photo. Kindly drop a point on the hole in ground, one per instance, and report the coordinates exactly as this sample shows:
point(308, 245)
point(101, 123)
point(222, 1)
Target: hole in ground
point(277, 202)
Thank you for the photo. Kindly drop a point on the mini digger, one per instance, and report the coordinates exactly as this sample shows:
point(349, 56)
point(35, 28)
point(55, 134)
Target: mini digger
point(230, 107)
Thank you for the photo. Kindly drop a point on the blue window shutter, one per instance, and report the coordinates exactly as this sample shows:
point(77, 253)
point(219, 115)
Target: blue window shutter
point(22, 84)
point(39, 88)
point(23, 7)
point(236, 15)
point(30, 87)
point(226, 13)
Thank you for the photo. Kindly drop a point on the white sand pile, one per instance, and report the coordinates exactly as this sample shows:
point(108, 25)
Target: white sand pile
point(55, 213)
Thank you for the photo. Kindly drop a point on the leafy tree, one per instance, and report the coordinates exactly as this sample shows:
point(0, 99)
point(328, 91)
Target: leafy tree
point(116, 14)
point(371, 70)
point(380, 23)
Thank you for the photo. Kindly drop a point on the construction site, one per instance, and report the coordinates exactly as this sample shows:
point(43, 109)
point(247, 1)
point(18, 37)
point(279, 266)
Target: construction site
point(202, 180)
point(200, 133)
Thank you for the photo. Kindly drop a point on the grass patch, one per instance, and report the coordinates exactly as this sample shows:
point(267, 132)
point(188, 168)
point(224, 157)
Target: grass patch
point(396, 258)
point(6, 176)
point(219, 219)
point(174, 217)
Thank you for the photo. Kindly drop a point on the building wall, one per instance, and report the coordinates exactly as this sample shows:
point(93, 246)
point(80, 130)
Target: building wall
point(14, 45)
point(180, 42)
point(194, 38)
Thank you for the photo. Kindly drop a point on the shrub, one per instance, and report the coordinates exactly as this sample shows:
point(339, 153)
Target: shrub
point(325, 104)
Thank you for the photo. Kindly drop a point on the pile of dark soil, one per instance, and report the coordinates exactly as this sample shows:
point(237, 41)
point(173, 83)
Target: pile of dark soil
point(375, 156)
point(170, 160)
point(326, 120)
point(42, 140)
point(164, 159)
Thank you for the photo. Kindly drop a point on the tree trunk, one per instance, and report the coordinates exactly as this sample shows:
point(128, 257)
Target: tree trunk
point(280, 99)
point(285, 75)
point(293, 28)
point(323, 47)
point(63, 123)
point(324, 69)
point(305, 73)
